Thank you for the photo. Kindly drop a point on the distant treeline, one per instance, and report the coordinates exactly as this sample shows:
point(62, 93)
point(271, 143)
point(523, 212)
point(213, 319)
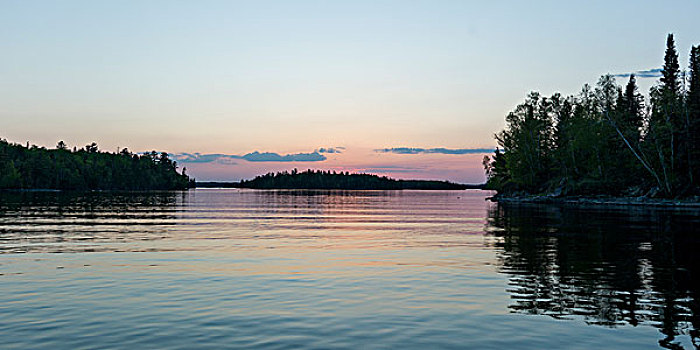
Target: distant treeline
point(607, 139)
point(317, 179)
point(87, 168)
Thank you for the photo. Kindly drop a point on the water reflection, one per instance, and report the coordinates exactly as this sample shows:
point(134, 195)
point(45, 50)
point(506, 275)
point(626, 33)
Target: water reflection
point(611, 268)
point(211, 219)
point(409, 269)
point(83, 221)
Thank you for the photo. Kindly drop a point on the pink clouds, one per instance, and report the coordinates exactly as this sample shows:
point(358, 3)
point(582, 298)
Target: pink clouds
point(462, 168)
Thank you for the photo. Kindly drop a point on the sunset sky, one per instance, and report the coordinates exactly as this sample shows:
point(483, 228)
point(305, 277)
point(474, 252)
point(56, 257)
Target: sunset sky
point(409, 89)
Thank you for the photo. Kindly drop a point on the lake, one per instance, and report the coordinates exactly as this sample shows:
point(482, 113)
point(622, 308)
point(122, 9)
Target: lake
point(227, 268)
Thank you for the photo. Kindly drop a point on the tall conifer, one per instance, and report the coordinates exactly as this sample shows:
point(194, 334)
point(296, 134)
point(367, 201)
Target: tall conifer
point(670, 80)
point(633, 107)
point(693, 110)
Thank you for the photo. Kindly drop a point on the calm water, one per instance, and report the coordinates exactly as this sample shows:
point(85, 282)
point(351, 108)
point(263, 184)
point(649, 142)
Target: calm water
point(341, 269)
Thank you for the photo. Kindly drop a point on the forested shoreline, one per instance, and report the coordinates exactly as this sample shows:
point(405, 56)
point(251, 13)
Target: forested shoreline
point(327, 180)
point(607, 140)
point(32, 167)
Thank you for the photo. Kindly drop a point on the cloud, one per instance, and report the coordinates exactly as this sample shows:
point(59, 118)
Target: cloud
point(204, 158)
point(649, 73)
point(331, 150)
point(439, 150)
point(250, 157)
point(274, 157)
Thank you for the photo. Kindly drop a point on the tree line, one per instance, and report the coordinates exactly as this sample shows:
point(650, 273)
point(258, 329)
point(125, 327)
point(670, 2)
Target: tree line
point(607, 139)
point(319, 179)
point(87, 168)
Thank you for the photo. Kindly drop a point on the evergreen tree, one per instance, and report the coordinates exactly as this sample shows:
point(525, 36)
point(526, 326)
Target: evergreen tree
point(632, 110)
point(626, 121)
point(666, 123)
point(693, 112)
point(670, 74)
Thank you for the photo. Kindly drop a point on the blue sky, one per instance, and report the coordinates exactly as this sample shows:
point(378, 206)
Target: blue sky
point(288, 77)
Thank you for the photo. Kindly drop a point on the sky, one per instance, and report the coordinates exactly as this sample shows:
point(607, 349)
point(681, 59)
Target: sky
point(408, 89)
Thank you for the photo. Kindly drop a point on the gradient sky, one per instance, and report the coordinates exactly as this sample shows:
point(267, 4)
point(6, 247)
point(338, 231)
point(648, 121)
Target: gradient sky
point(287, 77)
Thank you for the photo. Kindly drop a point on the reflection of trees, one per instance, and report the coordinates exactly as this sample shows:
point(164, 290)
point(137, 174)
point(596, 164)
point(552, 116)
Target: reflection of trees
point(89, 201)
point(635, 266)
point(83, 221)
point(320, 206)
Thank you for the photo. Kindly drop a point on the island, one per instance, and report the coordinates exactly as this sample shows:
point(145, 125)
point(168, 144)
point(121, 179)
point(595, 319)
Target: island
point(608, 143)
point(332, 180)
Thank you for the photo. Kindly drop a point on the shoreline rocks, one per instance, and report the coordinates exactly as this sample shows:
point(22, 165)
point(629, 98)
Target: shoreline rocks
point(642, 201)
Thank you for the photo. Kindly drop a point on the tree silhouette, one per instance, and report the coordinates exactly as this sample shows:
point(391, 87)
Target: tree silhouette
point(86, 169)
point(319, 179)
point(604, 140)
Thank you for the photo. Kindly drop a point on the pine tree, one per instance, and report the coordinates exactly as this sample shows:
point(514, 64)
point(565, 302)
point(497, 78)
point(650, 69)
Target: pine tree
point(694, 81)
point(627, 120)
point(670, 74)
point(632, 109)
point(693, 110)
point(667, 123)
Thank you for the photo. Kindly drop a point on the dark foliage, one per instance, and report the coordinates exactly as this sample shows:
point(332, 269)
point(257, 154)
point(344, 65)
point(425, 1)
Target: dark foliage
point(589, 264)
point(606, 140)
point(25, 167)
point(317, 179)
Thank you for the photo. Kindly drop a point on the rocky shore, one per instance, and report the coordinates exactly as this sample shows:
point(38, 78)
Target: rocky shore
point(600, 201)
